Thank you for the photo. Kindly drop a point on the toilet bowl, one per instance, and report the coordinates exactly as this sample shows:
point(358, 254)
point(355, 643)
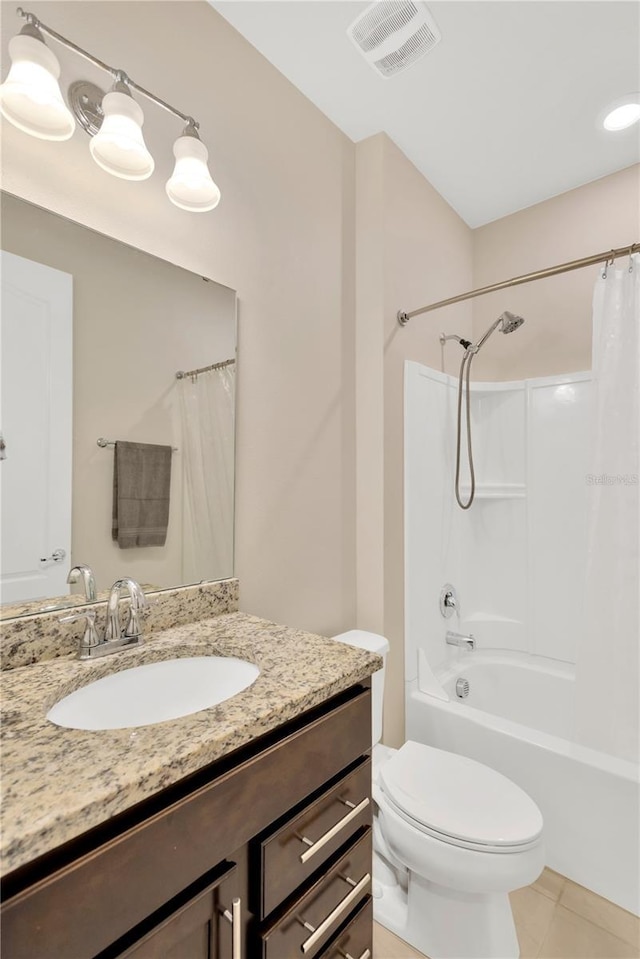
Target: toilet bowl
point(452, 838)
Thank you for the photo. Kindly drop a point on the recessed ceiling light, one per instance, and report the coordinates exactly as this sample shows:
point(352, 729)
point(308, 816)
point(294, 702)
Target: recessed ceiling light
point(623, 114)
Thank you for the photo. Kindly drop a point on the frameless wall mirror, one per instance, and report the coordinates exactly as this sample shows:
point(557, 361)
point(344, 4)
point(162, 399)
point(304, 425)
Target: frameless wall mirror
point(93, 333)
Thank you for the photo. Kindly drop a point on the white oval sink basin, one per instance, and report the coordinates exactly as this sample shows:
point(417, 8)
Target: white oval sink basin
point(154, 693)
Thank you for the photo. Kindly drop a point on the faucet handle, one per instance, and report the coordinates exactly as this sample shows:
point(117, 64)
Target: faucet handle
point(448, 600)
point(90, 639)
point(133, 627)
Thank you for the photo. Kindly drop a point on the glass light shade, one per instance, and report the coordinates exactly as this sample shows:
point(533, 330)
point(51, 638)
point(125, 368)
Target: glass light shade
point(622, 117)
point(191, 187)
point(30, 97)
point(118, 146)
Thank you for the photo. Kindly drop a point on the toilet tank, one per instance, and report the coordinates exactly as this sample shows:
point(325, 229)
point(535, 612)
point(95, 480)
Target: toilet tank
point(374, 643)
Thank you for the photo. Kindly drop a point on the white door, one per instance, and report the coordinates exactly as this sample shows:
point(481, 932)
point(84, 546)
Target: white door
point(36, 424)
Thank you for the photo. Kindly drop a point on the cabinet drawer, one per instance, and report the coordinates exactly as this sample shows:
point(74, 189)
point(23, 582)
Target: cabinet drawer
point(355, 941)
point(291, 854)
point(312, 920)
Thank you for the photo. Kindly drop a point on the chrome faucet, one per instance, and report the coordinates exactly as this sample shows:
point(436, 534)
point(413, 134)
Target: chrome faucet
point(460, 639)
point(115, 637)
point(133, 630)
point(84, 573)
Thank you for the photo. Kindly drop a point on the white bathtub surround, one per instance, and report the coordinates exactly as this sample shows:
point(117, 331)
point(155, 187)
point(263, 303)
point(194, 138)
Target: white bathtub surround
point(517, 557)
point(608, 699)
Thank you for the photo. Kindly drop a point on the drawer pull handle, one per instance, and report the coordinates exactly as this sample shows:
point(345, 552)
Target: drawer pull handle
point(319, 931)
point(315, 847)
point(365, 955)
point(235, 917)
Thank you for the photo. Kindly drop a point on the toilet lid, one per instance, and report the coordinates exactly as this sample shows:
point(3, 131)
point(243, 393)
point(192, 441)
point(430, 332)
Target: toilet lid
point(459, 797)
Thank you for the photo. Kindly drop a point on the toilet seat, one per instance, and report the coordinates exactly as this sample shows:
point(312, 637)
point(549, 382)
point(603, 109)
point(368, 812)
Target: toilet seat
point(459, 801)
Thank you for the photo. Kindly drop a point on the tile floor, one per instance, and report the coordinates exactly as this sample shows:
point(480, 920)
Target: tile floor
point(555, 919)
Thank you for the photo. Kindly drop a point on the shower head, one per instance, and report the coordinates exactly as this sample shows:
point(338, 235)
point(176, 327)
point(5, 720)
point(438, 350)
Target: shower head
point(510, 322)
point(506, 322)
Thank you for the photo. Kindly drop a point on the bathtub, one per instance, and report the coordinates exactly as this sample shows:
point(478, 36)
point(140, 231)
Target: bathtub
point(517, 718)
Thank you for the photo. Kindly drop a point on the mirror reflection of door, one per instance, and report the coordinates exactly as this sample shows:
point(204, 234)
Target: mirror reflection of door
point(36, 423)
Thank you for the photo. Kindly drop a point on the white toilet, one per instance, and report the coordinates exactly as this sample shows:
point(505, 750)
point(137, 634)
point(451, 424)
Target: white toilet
point(452, 838)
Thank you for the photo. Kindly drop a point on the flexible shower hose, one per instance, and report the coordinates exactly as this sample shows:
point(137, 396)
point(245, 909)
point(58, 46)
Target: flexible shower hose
point(465, 370)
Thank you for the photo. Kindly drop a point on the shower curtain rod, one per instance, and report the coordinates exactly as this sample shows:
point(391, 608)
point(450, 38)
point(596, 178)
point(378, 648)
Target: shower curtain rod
point(180, 375)
point(608, 257)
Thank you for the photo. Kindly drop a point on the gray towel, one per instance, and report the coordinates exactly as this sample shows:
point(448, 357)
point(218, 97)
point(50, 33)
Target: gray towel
point(141, 485)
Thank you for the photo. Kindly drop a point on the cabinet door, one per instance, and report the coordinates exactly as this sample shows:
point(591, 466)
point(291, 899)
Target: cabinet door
point(208, 925)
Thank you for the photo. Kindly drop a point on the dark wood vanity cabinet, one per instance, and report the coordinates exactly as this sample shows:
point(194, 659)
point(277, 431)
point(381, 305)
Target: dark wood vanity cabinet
point(266, 854)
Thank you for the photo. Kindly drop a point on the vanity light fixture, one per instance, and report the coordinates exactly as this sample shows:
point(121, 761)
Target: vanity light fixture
point(31, 100)
point(118, 146)
point(191, 187)
point(30, 97)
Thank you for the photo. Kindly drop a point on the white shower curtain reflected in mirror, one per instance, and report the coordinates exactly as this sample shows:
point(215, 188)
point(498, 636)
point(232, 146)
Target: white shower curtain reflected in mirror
point(608, 701)
point(207, 414)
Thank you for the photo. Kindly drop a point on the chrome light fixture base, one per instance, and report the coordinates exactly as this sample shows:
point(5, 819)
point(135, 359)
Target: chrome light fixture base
point(85, 100)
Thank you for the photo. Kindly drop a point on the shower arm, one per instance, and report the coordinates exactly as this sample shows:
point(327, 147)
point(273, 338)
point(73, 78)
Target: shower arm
point(453, 336)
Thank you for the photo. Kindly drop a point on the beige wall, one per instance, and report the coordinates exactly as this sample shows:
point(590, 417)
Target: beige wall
point(283, 237)
point(136, 320)
point(556, 336)
point(411, 248)
point(369, 380)
point(428, 256)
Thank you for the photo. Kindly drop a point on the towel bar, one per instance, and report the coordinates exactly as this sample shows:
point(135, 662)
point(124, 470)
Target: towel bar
point(102, 442)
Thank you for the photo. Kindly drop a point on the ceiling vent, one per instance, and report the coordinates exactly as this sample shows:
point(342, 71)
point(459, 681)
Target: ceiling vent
point(393, 35)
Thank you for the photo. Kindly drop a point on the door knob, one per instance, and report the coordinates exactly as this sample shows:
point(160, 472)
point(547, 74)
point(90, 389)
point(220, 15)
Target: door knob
point(56, 557)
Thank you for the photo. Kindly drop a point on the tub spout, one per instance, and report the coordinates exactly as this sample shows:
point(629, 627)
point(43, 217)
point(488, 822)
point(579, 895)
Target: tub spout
point(460, 639)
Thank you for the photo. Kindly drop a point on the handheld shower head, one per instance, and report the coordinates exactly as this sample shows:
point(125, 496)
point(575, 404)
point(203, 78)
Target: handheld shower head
point(510, 322)
point(507, 322)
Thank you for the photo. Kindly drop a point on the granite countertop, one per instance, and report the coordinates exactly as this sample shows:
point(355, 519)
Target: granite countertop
point(57, 783)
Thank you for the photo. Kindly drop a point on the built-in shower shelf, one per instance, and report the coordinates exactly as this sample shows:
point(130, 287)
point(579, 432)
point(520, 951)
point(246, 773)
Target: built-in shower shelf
point(497, 491)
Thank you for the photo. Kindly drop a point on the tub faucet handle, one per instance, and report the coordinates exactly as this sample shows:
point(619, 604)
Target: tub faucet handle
point(448, 600)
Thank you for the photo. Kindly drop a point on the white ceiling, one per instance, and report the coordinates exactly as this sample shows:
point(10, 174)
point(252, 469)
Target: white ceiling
point(501, 114)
